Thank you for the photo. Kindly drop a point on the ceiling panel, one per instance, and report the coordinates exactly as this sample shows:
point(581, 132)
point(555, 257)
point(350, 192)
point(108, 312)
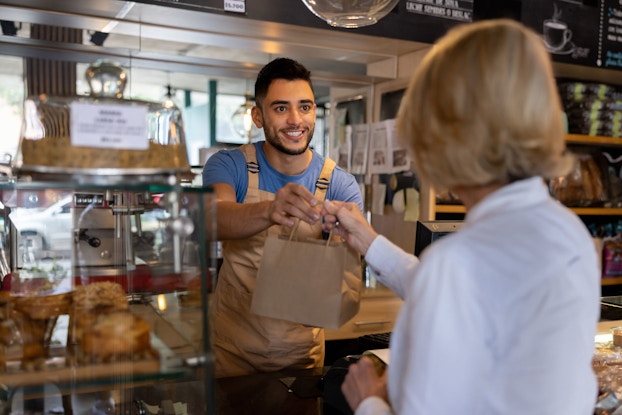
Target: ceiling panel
point(151, 28)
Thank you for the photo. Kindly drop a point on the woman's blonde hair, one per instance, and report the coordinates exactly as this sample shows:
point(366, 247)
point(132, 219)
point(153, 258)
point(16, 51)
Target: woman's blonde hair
point(483, 108)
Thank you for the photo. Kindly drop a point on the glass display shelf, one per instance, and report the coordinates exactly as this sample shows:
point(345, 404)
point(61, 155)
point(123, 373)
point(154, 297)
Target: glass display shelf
point(101, 137)
point(105, 287)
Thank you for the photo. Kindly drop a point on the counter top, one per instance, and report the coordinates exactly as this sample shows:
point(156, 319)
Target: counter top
point(377, 291)
point(267, 394)
point(604, 326)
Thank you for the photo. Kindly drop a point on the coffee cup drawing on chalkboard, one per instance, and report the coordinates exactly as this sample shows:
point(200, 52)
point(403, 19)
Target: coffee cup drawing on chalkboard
point(557, 36)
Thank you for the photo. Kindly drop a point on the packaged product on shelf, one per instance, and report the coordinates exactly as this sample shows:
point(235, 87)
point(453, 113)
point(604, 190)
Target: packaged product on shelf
point(612, 257)
point(614, 178)
point(574, 91)
point(592, 108)
point(584, 186)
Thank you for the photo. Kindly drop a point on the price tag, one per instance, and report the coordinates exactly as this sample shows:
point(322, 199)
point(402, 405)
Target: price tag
point(236, 6)
point(109, 126)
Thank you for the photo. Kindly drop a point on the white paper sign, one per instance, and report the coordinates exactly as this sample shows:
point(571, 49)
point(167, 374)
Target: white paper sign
point(398, 154)
point(109, 126)
point(236, 6)
point(360, 146)
point(379, 151)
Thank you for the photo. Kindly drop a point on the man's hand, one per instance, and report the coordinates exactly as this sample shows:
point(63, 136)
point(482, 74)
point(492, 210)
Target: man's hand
point(294, 201)
point(242, 220)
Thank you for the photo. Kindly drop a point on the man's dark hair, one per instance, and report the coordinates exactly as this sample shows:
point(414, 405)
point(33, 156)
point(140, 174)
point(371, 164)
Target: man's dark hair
point(280, 68)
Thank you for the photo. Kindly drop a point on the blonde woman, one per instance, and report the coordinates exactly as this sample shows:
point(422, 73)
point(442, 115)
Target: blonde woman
point(499, 317)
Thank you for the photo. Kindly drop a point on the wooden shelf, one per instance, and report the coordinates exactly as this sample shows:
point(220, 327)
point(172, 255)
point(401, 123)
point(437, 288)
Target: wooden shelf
point(103, 373)
point(429, 207)
point(594, 140)
point(601, 211)
point(450, 209)
point(611, 281)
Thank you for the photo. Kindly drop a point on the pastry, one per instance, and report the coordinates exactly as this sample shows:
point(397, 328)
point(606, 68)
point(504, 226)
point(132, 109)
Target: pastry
point(117, 333)
point(104, 296)
point(44, 307)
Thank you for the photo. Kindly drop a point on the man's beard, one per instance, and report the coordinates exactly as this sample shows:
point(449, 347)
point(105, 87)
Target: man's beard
point(276, 143)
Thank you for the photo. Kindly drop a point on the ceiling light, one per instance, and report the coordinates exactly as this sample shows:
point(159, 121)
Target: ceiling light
point(350, 13)
point(168, 98)
point(242, 121)
point(120, 15)
point(98, 37)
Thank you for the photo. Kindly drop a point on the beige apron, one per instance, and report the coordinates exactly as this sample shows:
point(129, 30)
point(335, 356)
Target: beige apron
point(244, 342)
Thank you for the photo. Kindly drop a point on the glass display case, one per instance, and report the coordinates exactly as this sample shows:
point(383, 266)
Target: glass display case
point(104, 297)
point(101, 137)
point(106, 260)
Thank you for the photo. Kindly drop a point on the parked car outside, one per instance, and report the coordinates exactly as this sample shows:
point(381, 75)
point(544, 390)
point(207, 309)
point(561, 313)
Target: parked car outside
point(49, 229)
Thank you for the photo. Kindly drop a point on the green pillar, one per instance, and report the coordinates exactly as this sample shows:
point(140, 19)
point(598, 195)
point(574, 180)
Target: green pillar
point(212, 90)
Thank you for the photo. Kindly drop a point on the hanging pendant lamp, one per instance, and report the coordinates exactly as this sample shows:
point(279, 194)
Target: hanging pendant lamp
point(350, 13)
point(168, 97)
point(242, 121)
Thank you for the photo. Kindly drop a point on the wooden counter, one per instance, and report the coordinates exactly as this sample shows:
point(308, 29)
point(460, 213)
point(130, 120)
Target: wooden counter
point(267, 394)
point(377, 314)
point(604, 326)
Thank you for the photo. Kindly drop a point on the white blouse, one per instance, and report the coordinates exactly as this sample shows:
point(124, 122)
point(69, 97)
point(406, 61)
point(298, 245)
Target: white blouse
point(499, 317)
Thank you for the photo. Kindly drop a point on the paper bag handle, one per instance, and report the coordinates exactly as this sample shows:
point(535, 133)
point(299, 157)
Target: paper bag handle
point(295, 228)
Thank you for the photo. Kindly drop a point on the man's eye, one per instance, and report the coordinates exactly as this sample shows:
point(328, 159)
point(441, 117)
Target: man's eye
point(280, 109)
point(306, 108)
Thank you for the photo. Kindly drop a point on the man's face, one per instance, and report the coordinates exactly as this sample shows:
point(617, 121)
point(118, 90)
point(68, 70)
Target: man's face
point(287, 115)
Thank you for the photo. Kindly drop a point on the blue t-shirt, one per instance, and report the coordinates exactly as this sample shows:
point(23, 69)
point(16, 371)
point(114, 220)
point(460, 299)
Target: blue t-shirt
point(229, 166)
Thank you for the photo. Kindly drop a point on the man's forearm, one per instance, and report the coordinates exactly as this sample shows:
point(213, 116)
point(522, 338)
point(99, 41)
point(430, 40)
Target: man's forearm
point(238, 221)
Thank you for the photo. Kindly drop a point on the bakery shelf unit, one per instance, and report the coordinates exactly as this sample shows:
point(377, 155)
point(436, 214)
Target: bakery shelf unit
point(613, 145)
point(431, 210)
point(104, 297)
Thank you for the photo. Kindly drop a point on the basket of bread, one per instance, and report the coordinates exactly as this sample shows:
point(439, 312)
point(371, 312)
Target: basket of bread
point(101, 332)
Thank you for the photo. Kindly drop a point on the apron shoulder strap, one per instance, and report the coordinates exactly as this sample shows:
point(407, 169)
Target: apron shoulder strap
point(252, 167)
point(321, 185)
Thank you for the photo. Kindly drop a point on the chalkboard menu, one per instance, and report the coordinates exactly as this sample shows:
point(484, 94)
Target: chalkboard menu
point(417, 20)
point(610, 47)
point(579, 32)
point(461, 10)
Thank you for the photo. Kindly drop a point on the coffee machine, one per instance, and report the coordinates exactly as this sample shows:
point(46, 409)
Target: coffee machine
point(108, 230)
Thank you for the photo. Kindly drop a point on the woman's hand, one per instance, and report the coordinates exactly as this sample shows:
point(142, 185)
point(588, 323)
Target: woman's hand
point(362, 381)
point(346, 220)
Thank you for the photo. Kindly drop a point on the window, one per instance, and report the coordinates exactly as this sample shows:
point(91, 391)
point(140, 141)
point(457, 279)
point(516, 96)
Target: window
point(226, 105)
point(11, 103)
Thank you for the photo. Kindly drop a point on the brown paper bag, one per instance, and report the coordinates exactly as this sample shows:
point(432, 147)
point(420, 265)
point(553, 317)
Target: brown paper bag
point(312, 281)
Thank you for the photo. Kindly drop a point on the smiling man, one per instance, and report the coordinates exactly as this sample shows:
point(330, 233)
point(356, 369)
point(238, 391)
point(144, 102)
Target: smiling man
point(262, 189)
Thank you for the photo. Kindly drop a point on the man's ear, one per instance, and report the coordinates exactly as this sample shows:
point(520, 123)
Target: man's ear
point(257, 116)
